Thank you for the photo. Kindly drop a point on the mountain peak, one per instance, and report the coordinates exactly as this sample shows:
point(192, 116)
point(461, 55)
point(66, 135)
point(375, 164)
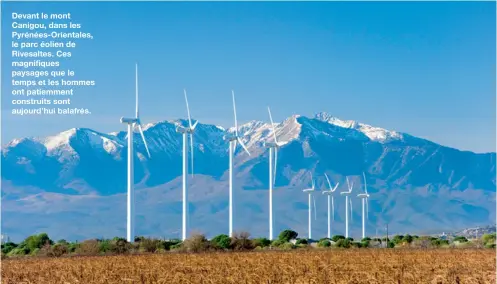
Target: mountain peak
point(374, 133)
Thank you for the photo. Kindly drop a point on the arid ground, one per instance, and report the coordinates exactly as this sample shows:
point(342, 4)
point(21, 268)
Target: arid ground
point(380, 266)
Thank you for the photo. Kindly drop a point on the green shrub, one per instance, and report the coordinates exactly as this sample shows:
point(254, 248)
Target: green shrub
point(343, 243)
point(324, 243)
point(7, 247)
point(302, 242)
point(337, 237)
point(221, 242)
point(287, 235)
point(261, 242)
point(277, 243)
point(460, 239)
point(287, 246)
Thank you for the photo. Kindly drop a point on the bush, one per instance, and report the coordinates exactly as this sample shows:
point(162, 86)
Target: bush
point(366, 239)
point(241, 241)
point(89, 247)
point(350, 239)
point(37, 241)
point(397, 239)
point(302, 242)
point(287, 235)
point(365, 243)
point(150, 245)
point(221, 242)
point(170, 244)
point(488, 238)
point(261, 242)
point(287, 246)
point(7, 247)
point(324, 243)
point(337, 237)
point(460, 239)
point(195, 243)
point(408, 239)
point(277, 243)
point(343, 243)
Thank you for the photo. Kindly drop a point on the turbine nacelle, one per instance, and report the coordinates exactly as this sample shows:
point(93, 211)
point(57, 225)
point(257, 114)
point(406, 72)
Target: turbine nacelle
point(309, 190)
point(363, 195)
point(129, 120)
point(271, 145)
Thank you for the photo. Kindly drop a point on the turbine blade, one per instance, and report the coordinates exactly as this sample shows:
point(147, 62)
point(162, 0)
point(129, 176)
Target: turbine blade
point(144, 141)
point(191, 150)
point(335, 187)
point(328, 180)
point(333, 208)
point(188, 110)
point(348, 184)
point(234, 111)
point(275, 163)
point(314, 201)
point(365, 185)
point(234, 146)
point(312, 180)
point(243, 145)
point(136, 90)
point(272, 125)
point(194, 125)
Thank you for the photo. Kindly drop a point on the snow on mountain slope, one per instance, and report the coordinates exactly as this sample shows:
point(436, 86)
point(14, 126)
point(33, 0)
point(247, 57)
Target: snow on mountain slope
point(373, 133)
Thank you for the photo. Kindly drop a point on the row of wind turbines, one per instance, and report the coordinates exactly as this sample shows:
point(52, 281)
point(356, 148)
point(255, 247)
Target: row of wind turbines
point(233, 139)
point(331, 204)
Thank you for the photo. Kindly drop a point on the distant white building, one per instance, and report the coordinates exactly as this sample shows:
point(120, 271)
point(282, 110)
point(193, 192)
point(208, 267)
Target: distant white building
point(443, 236)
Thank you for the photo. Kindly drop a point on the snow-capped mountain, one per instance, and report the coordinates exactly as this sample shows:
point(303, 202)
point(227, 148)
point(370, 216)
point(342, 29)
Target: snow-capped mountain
point(80, 173)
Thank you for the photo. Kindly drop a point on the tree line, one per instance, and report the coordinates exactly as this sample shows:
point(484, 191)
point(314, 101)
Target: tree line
point(42, 245)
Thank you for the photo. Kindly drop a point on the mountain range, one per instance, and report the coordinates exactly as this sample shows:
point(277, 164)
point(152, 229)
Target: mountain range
point(73, 185)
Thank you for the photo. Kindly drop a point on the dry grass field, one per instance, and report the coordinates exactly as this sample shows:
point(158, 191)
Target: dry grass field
point(297, 266)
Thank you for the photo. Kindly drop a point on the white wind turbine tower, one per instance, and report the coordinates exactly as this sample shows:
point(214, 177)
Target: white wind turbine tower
point(132, 123)
point(364, 197)
point(310, 191)
point(233, 138)
point(272, 146)
point(185, 131)
point(347, 193)
point(331, 203)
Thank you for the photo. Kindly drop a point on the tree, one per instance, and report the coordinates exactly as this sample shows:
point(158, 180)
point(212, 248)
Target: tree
point(408, 238)
point(324, 243)
point(343, 243)
point(221, 242)
point(335, 238)
point(196, 243)
point(460, 239)
point(8, 247)
point(241, 241)
point(261, 242)
point(488, 238)
point(287, 235)
point(37, 241)
point(397, 239)
point(301, 242)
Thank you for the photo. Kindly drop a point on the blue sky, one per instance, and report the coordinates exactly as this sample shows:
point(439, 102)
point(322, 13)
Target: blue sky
point(425, 68)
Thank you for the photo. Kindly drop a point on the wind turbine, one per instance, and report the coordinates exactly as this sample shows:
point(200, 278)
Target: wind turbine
point(233, 138)
point(132, 123)
point(364, 197)
point(185, 131)
point(310, 191)
point(272, 146)
point(330, 202)
point(347, 193)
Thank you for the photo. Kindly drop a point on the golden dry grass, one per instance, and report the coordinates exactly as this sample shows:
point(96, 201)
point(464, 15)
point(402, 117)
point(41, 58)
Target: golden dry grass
point(298, 266)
